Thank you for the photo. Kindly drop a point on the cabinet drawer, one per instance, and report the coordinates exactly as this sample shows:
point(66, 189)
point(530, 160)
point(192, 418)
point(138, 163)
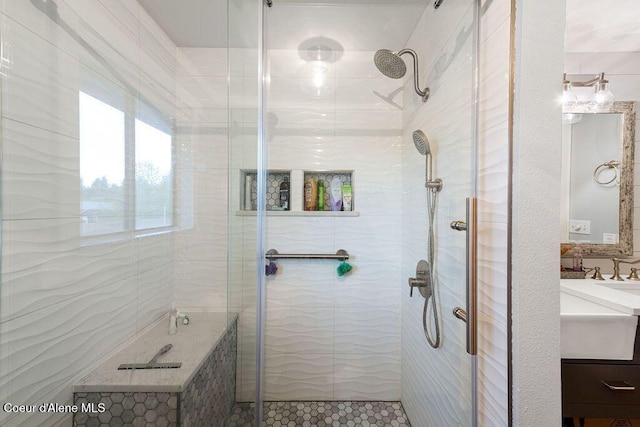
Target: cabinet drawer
point(583, 384)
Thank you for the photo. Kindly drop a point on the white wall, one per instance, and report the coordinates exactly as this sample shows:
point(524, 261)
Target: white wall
point(66, 304)
point(436, 383)
point(536, 216)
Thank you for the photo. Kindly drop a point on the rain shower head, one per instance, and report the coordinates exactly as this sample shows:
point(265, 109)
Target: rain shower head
point(422, 145)
point(391, 65)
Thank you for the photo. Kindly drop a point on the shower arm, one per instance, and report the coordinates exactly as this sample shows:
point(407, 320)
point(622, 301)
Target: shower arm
point(423, 93)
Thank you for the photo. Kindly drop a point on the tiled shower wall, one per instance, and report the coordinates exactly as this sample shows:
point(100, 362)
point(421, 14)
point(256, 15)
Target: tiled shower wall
point(66, 303)
point(443, 38)
point(202, 174)
point(330, 337)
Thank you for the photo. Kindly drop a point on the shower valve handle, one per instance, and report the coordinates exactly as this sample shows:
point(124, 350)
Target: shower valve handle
point(416, 283)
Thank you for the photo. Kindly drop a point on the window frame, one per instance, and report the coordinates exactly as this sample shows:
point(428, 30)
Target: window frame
point(133, 108)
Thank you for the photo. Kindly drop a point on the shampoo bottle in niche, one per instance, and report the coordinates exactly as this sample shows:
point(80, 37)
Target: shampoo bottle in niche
point(310, 194)
point(320, 195)
point(335, 195)
point(347, 198)
point(248, 182)
point(284, 194)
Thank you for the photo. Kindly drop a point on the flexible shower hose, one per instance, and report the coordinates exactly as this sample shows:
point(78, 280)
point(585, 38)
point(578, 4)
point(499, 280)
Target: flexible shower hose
point(431, 207)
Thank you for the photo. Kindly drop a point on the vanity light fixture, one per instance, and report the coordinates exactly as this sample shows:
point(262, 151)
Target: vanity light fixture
point(601, 100)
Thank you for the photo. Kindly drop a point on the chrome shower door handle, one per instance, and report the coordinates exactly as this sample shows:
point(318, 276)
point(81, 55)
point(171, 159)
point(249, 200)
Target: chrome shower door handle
point(470, 316)
point(472, 276)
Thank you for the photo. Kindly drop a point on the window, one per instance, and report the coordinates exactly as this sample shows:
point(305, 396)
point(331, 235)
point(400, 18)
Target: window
point(126, 167)
point(154, 180)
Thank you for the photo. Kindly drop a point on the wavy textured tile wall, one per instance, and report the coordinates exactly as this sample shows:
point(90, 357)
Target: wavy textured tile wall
point(329, 337)
point(436, 383)
point(64, 303)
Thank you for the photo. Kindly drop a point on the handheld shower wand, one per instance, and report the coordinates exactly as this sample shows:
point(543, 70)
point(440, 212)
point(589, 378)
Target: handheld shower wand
point(425, 278)
point(422, 145)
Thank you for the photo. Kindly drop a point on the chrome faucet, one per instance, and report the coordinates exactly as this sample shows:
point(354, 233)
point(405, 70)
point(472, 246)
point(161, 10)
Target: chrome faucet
point(616, 268)
point(596, 274)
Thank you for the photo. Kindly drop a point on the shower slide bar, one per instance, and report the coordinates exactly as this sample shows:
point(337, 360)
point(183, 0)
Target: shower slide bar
point(273, 254)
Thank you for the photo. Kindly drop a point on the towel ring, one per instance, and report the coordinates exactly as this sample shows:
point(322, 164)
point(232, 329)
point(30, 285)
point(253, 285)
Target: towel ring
point(611, 164)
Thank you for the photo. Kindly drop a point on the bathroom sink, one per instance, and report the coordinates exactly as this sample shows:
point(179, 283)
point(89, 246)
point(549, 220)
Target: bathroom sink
point(594, 331)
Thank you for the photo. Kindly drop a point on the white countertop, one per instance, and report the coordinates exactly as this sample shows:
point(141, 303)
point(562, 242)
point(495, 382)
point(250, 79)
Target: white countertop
point(621, 296)
point(191, 346)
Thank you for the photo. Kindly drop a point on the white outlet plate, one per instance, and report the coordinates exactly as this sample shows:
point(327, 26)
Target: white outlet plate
point(580, 226)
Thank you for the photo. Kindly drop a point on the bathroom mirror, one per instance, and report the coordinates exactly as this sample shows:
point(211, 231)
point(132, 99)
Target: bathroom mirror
point(597, 180)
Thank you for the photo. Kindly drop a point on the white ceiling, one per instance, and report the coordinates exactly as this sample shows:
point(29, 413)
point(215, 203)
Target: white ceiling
point(191, 23)
point(354, 24)
point(603, 26)
point(360, 25)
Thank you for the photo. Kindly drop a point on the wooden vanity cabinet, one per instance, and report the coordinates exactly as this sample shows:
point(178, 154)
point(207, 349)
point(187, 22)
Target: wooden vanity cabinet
point(585, 394)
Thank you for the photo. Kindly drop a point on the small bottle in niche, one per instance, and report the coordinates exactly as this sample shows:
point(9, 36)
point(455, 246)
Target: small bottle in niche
point(310, 194)
point(284, 193)
point(248, 183)
point(577, 259)
point(320, 195)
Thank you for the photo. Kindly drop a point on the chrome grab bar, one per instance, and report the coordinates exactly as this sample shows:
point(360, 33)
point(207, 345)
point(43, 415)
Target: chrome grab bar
point(470, 316)
point(273, 254)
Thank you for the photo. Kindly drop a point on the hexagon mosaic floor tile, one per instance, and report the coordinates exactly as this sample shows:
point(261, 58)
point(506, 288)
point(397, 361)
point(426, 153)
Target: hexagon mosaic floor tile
point(322, 414)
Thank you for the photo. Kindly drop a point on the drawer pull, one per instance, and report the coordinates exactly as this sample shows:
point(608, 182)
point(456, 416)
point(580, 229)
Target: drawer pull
point(618, 385)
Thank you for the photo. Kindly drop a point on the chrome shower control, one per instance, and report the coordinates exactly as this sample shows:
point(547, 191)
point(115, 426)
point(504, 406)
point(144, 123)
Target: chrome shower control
point(421, 281)
point(416, 283)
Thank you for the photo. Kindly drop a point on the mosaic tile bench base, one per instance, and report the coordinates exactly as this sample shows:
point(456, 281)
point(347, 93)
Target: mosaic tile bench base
point(206, 401)
point(322, 414)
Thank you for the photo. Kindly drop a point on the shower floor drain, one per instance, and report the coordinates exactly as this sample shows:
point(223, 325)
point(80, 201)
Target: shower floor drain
point(322, 414)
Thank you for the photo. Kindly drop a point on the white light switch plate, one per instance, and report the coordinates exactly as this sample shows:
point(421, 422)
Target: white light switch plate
point(580, 226)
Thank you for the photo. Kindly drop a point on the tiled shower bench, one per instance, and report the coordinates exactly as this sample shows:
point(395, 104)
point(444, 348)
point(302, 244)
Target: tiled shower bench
point(199, 393)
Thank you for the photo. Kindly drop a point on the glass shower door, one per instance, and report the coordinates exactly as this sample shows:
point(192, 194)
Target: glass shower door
point(334, 334)
point(246, 216)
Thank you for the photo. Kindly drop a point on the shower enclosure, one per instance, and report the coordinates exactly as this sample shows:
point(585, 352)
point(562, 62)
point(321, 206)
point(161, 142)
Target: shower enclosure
point(154, 152)
point(328, 113)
